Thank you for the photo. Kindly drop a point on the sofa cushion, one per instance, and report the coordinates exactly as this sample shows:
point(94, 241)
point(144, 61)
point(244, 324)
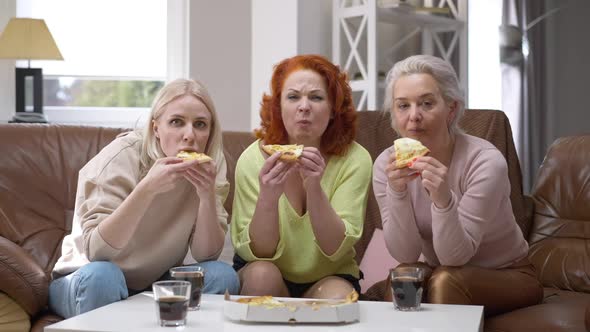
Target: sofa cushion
point(12, 316)
point(22, 278)
point(560, 234)
point(560, 311)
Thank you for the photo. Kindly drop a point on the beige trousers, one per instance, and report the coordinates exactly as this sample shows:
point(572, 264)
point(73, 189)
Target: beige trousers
point(498, 290)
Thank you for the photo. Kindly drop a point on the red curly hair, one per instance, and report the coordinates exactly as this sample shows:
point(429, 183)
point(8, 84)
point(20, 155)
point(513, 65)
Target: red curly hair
point(342, 127)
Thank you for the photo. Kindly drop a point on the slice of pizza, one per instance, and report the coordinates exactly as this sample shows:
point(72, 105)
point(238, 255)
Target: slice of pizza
point(191, 155)
point(289, 152)
point(352, 297)
point(319, 304)
point(267, 301)
point(406, 149)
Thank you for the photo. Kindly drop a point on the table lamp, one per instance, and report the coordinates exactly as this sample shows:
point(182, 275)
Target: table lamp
point(28, 39)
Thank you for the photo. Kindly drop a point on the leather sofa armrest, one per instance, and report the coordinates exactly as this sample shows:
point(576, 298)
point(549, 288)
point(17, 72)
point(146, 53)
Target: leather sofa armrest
point(22, 278)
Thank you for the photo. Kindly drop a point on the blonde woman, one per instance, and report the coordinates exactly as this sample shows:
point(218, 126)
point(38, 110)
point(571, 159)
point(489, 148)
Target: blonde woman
point(140, 209)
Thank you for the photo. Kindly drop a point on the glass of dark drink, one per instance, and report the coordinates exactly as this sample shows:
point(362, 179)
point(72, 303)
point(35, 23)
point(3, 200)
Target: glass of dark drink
point(406, 287)
point(172, 298)
point(195, 274)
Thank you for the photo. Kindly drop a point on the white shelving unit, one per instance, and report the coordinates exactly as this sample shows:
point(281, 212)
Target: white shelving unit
point(354, 40)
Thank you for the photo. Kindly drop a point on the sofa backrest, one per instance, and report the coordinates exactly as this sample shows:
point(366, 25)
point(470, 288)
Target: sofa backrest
point(39, 170)
point(38, 178)
point(39, 167)
point(560, 234)
point(234, 143)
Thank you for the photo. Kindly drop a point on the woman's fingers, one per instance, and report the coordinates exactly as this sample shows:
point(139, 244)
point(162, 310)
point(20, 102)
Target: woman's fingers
point(434, 179)
point(277, 174)
point(426, 163)
point(311, 163)
point(283, 177)
point(430, 168)
point(400, 177)
point(194, 180)
point(204, 168)
point(311, 166)
point(312, 156)
point(279, 168)
point(202, 176)
point(269, 163)
point(398, 173)
point(169, 160)
point(403, 178)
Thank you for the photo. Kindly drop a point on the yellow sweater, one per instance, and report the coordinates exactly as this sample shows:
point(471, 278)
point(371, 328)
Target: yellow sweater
point(345, 181)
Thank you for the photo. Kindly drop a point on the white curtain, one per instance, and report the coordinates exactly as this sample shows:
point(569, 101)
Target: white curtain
point(523, 73)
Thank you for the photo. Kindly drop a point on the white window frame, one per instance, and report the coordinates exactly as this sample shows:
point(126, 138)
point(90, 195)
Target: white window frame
point(130, 117)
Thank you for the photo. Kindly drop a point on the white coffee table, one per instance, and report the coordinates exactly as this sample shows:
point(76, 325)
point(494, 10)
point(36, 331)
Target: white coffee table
point(138, 313)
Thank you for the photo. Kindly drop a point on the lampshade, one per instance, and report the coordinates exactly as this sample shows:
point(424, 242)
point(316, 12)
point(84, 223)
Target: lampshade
point(28, 39)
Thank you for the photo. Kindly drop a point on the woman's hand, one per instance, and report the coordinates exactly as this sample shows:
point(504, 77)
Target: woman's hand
point(202, 176)
point(434, 180)
point(311, 166)
point(399, 178)
point(273, 175)
point(164, 173)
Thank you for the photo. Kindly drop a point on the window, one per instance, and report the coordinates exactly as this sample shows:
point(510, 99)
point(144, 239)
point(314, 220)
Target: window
point(114, 57)
point(485, 87)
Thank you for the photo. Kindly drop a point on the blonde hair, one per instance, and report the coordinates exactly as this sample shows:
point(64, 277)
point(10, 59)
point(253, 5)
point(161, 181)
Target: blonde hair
point(151, 149)
point(442, 72)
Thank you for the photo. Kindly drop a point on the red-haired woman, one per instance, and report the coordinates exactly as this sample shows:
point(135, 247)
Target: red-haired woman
point(294, 225)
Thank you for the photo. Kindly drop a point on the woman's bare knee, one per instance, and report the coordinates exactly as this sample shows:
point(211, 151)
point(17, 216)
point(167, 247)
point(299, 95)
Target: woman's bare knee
point(262, 278)
point(330, 288)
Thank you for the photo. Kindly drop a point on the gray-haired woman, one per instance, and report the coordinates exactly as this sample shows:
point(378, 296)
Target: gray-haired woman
point(452, 205)
point(141, 210)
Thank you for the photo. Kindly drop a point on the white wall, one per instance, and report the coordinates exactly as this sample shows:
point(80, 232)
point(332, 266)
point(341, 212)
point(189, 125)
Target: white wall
point(274, 37)
point(7, 88)
point(177, 35)
point(314, 33)
point(484, 75)
point(220, 44)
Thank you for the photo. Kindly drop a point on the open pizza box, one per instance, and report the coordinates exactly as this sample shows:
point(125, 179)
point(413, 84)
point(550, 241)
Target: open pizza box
point(291, 310)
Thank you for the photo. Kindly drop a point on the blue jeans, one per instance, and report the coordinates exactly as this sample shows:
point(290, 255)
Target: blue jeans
point(100, 283)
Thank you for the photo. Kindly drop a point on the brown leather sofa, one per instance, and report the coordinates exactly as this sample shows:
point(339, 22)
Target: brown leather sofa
point(38, 174)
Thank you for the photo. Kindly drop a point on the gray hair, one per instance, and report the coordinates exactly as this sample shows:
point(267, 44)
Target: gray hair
point(151, 149)
point(442, 72)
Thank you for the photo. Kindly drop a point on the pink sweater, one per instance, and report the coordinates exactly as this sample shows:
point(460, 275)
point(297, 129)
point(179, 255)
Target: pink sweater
point(478, 227)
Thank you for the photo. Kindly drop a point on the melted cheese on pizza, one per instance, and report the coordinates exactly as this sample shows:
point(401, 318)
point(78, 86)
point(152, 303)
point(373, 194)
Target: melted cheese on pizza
point(406, 149)
point(190, 155)
point(267, 301)
point(270, 302)
point(289, 152)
